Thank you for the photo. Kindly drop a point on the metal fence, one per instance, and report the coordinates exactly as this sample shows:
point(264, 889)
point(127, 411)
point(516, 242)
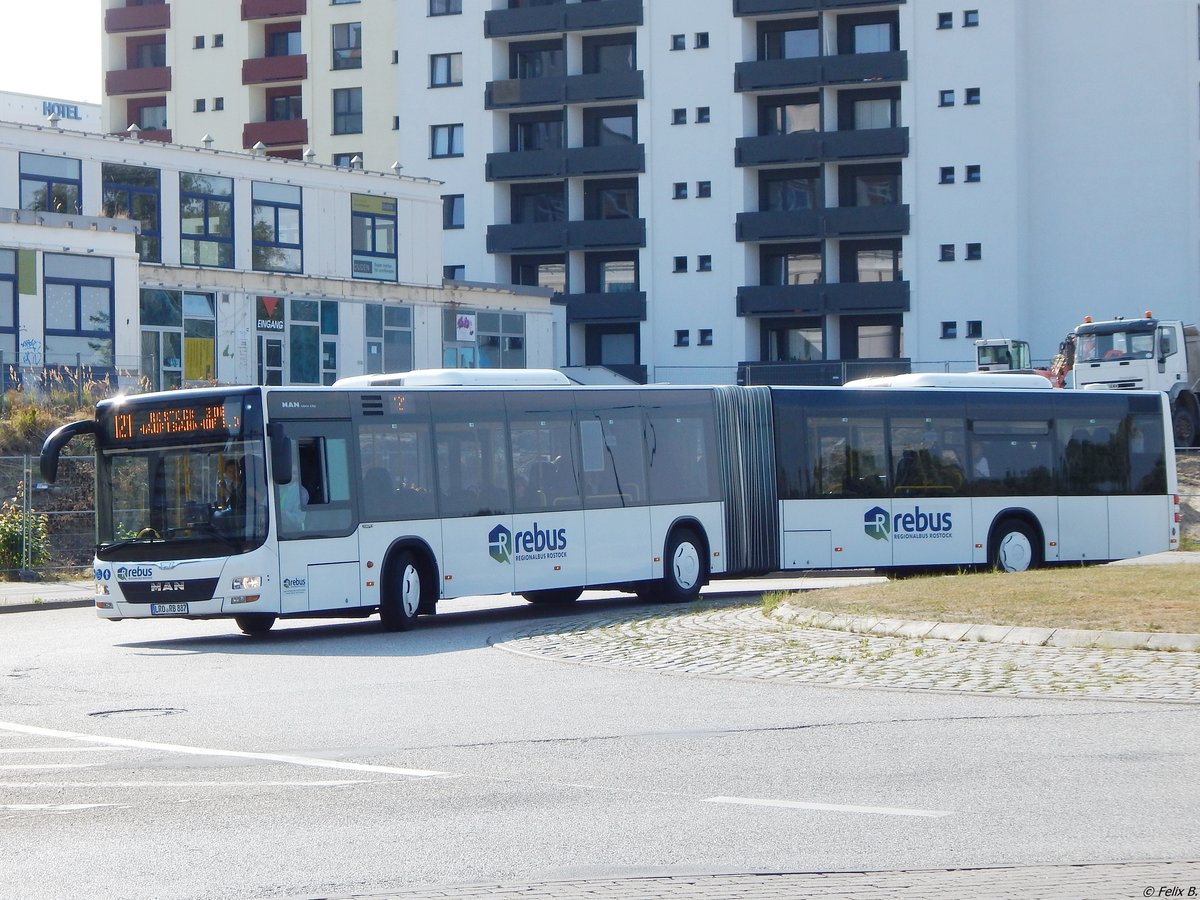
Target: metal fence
point(68, 506)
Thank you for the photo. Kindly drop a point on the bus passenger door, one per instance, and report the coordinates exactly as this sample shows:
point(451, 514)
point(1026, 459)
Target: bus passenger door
point(318, 545)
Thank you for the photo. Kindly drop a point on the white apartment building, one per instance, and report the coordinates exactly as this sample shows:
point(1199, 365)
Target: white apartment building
point(766, 189)
point(157, 265)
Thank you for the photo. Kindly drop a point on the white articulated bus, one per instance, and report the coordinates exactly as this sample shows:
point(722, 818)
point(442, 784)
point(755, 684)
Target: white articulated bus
point(393, 493)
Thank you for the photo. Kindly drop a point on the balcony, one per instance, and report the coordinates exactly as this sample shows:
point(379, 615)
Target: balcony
point(798, 224)
point(560, 17)
point(855, 221)
point(560, 163)
point(613, 305)
point(817, 146)
point(771, 7)
point(273, 134)
point(271, 9)
point(135, 81)
point(587, 234)
point(162, 135)
point(555, 91)
point(268, 69)
point(814, 71)
point(820, 299)
point(121, 19)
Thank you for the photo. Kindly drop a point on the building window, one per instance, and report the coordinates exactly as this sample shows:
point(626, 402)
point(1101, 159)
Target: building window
point(501, 339)
point(284, 43)
point(789, 39)
point(178, 340)
point(541, 271)
point(218, 103)
point(871, 262)
point(868, 109)
point(218, 40)
point(703, 189)
point(389, 337)
point(946, 98)
point(537, 59)
point(614, 53)
point(970, 18)
point(535, 131)
point(347, 45)
point(198, 42)
point(703, 115)
point(947, 175)
point(706, 337)
point(445, 70)
point(945, 20)
point(373, 228)
point(609, 126)
point(870, 185)
point(792, 340)
point(679, 42)
point(395, 123)
point(198, 105)
point(679, 116)
point(344, 160)
point(974, 251)
point(445, 7)
point(946, 253)
point(51, 184)
point(974, 329)
point(789, 264)
point(453, 211)
point(347, 110)
point(205, 220)
point(445, 141)
point(454, 273)
point(311, 348)
point(534, 203)
point(683, 338)
point(704, 263)
point(681, 264)
point(680, 191)
point(395, 57)
point(9, 318)
point(284, 105)
point(974, 174)
point(870, 33)
point(949, 330)
point(701, 41)
point(277, 226)
point(78, 311)
point(788, 115)
point(610, 273)
point(971, 96)
point(615, 198)
point(787, 190)
point(133, 192)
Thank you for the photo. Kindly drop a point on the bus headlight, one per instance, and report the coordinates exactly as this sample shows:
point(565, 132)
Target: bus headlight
point(247, 583)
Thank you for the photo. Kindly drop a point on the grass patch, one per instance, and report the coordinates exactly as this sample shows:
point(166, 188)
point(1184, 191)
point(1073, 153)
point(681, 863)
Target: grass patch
point(1096, 598)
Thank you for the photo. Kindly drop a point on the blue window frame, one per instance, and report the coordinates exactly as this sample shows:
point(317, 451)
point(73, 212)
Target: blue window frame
point(134, 192)
point(51, 184)
point(205, 220)
point(78, 297)
point(9, 325)
point(277, 228)
point(373, 227)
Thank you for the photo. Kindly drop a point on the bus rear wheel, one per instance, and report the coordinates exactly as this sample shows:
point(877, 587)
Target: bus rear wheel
point(1014, 548)
point(685, 567)
point(254, 625)
point(401, 599)
point(1183, 425)
point(556, 597)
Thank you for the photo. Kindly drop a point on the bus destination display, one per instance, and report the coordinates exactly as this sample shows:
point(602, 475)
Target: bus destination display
point(216, 420)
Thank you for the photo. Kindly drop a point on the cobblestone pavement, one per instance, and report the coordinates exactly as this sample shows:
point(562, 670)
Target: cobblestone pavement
point(718, 640)
point(1110, 880)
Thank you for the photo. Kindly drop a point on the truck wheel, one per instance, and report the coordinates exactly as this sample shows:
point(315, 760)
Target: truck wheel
point(1014, 548)
point(401, 601)
point(1183, 423)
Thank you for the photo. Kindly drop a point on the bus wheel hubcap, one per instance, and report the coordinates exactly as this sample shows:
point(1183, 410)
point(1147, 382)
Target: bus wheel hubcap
point(1016, 554)
point(686, 564)
point(410, 591)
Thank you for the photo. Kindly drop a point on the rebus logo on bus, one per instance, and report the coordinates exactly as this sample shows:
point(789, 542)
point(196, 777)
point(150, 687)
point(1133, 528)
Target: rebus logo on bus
point(134, 572)
point(500, 544)
point(879, 525)
point(535, 543)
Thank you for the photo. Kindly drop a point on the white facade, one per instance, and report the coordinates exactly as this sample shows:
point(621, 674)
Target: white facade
point(171, 265)
point(1053, 148)
point(35, 109)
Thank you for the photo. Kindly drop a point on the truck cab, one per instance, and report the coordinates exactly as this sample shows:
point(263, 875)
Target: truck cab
point(1001, 355)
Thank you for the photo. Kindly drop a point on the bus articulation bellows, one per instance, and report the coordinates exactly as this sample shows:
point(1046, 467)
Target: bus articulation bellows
point(390, 494)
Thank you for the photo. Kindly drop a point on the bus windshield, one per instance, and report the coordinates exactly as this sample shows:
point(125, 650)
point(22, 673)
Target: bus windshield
point(175, 502)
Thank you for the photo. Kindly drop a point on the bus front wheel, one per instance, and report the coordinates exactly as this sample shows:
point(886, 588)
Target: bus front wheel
point(685, 567)
point(401, 601)
point(254, 625)
point(1014, 547)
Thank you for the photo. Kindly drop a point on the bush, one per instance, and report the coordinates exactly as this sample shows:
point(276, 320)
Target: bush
point(24, 540)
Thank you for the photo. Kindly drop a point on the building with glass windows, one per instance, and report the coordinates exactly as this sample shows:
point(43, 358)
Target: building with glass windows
point(170, 266)
point(785, 190)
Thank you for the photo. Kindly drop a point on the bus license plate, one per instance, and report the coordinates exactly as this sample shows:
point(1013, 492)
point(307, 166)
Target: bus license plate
point(168, 609)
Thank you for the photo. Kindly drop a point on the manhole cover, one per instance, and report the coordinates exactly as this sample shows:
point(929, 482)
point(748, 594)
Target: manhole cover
point(143, 713)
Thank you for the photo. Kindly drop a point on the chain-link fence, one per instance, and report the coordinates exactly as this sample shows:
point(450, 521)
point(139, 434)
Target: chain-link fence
point(67, 542)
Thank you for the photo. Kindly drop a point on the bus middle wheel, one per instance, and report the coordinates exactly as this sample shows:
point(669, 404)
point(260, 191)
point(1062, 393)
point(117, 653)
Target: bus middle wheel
point(1014, 548)
point(685, 567)
point(401, 600)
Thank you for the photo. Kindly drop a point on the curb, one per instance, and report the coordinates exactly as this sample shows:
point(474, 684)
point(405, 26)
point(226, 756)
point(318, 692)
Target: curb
point(1071, 638)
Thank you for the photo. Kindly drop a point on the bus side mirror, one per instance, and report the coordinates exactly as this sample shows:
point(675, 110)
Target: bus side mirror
point(55, 441)
point(281, 455)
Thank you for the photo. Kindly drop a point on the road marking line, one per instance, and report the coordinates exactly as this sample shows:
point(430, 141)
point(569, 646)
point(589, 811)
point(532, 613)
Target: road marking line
point(834, 807)
point(57, 750)
point(49, 766)
point(285, 758)
point(51, 807)
point(176, 784)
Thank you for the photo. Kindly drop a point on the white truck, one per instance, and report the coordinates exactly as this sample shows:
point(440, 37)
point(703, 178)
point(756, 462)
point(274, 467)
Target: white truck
point(1145, 354)
point(1001, 355)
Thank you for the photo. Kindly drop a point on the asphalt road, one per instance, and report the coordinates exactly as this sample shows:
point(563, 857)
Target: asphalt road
point(180, 759)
